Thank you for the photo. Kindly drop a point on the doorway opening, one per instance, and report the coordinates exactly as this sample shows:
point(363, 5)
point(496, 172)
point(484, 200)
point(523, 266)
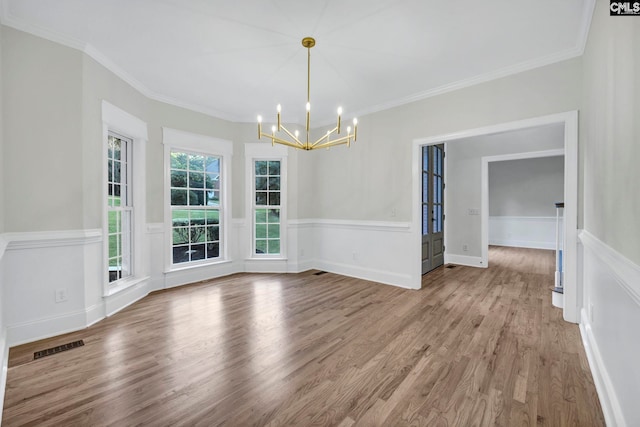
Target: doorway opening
point(569, 124)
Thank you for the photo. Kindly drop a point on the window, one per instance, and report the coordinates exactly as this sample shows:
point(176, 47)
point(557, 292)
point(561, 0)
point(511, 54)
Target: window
point(195, 206)
point(119, 207)
point(124, 140)
point(266, 201)
point(197, 199)
point(267, 190)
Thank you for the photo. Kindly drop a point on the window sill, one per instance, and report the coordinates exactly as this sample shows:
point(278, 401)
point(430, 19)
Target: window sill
point(121, 285)
point(266, 258)
point(195, 266)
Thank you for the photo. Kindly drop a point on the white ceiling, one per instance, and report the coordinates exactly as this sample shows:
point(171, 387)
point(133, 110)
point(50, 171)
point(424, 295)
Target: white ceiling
point(237, 59)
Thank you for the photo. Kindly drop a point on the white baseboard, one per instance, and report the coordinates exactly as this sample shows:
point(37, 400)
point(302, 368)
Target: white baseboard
point(4, 348)
point(604, 387)
point(394, 279)
point(116, 302)
point(47, 327)
point(523, 244)
point(523, 231)
point(471, 261)
point(609, 326)
point(301, 266)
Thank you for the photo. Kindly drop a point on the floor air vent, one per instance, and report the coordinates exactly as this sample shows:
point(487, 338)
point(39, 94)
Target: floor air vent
point(57, 349)
point(319, 273)
point(451, 266)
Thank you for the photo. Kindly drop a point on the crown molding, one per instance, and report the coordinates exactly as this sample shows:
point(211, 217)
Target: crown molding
point(9, 20)
point(6, 18)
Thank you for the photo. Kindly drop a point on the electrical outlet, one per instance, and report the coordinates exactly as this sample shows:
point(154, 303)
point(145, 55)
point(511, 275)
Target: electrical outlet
point(355, 256)
point(301, 252)
point(465, 247)
point(393, 212)
point(61, 295)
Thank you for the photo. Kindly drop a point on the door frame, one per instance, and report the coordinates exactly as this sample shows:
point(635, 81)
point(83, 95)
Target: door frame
point(569, 119)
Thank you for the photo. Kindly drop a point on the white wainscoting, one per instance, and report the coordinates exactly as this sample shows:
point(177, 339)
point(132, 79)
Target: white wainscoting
point(39, 263)
point(372, 250)
point(609, 326)
point(523, 231)
point(36, 264)
point(4, 344)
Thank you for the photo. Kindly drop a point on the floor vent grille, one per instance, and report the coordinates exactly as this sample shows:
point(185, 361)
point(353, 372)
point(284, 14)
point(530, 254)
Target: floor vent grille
point(57, 349)
point(451, 266)
point(319, 273)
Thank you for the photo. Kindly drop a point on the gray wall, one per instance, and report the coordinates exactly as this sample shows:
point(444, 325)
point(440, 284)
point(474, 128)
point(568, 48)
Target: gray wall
point(526, 187)
point(609, 156)
point(42, 92)
point(2, 168)
point(610, 132)
point(374, 175)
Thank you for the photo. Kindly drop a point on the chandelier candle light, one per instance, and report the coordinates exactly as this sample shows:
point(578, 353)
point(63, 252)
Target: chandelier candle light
point(294, 141)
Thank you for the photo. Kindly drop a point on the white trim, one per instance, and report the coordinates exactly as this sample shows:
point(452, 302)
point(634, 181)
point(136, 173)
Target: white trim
point(125, 297)
point(534, 223)
point(91, 51)
point(570, 121)
point(373, 275)
point(352, 224)
point(193, 142)
point(586, 25)
point(256, 151)
point(484, 197)
point(604, 387)
point(611, 357)
point(4, 242)
point(122, 122)
point(49, 239)
point(626, 273)
point(525, 218)
point(4, 348)
point(531, 244)
point(190, 141)
point(470, 261)
point(127, 125)
point(46, 327)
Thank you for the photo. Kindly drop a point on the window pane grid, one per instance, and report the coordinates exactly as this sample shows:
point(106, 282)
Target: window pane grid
point(267, 209)
point(195, 206)
point(119, 209)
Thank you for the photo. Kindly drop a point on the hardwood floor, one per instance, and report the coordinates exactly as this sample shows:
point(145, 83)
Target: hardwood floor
point(474, 347)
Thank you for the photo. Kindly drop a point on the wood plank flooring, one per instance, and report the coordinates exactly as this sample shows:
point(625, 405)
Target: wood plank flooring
point(474, 347)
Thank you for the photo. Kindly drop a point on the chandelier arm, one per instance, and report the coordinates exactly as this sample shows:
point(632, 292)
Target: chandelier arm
point(329, 144)
point(325, 136)
point(282, 141)
point(297, 141)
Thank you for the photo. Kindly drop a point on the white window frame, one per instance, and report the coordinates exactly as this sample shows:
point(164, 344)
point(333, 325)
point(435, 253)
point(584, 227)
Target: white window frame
point(256, 152)
point(121, 123)
point(125, 207)
point(178, 140)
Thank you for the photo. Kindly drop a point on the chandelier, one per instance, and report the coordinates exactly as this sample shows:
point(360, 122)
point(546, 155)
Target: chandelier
point(279, 132)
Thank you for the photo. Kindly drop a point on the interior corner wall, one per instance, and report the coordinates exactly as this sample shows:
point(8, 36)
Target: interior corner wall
point(609, 148)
